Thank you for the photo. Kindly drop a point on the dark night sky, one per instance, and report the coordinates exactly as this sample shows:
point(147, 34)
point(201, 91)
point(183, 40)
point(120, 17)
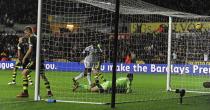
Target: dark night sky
point(14, 7)
point(194, 6)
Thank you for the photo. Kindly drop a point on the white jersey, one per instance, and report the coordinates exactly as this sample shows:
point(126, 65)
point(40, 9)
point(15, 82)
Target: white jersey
point(92, 54)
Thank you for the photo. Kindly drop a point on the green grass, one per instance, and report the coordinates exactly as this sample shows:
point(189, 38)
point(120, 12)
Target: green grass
point(148, 94)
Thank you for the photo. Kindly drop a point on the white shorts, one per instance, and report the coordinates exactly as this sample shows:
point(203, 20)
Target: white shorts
point(88, 64)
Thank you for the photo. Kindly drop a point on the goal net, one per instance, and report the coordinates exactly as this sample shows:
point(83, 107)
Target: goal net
point(190, 54)
point(69, 26)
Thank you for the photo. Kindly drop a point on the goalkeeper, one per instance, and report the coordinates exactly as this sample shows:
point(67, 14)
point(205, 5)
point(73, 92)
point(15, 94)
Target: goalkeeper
point(89, 61)
point(22, 48)
point(123, 85)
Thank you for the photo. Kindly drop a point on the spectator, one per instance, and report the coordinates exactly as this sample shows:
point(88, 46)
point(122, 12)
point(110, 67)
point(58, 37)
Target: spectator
point(4, 56)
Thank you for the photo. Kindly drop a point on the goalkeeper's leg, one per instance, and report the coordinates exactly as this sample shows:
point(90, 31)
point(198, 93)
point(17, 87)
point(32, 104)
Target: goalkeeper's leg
point(97, 88)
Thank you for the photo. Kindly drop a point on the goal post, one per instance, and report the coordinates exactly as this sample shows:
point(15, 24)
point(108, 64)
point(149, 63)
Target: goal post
point(114, 72)
point(168, 88)
point(147, 38)
point(189, 54)
point(37, 75)
point(66, 30)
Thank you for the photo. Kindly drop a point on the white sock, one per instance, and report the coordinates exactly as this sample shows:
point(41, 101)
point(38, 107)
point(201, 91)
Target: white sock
point(89, 78)
point(79, 76)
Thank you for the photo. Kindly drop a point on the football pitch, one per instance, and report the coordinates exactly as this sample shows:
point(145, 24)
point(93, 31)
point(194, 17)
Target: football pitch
point(149, 93)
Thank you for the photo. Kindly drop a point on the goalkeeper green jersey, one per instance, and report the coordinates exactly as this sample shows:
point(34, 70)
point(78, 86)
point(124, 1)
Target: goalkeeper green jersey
point(106, 85)
point(121, 82)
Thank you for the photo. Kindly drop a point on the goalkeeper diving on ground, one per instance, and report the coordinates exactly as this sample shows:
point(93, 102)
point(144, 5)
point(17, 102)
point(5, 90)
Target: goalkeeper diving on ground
point(123, 85)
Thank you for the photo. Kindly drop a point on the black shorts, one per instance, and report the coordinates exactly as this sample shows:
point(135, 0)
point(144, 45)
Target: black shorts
point(32, 65)
point(25, 64)
point(18, 64)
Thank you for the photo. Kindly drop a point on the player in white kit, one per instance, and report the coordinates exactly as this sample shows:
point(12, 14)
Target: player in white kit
point(89, 62)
